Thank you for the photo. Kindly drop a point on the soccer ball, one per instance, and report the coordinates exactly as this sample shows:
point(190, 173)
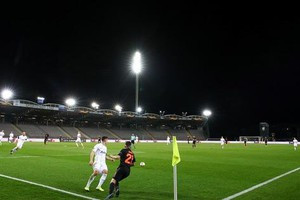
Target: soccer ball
point(142, 164)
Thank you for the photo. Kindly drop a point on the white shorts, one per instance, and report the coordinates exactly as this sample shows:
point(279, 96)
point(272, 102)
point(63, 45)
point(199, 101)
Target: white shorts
point(20, 145)
point(222, 144)
point(1, 138)
point(78, 140)
point(99, 167)
point(295, 145)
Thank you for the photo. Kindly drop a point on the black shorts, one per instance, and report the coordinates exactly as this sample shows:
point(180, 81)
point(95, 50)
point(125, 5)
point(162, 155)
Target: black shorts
point(194, 142)
point(132, 141)
point(122, 173)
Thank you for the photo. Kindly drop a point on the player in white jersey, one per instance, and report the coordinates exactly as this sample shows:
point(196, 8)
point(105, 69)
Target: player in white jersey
point(11, 137)
point(137, 138)
point(295, 141)
point(78, 140)
point(168, 140)
point(1, 136)
point(132, 139)
point(21, 140)
point(98, 158)
point(222, 140)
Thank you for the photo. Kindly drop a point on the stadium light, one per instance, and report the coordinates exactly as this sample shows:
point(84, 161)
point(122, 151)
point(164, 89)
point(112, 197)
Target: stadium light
point(139, 110)
point(40, 100)
point(71, 102)
point(137, 69)
point(118, 108)
point(7, 94)
point(207, 113)
point(95, 105)
point(137, 63)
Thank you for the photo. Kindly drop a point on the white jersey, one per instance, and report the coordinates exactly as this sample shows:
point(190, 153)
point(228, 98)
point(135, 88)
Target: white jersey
point(22, 139)
point(168, 139)
point(78, 136)
point(100, 151)
point(1, 134)
point(295, 142)
point(11, 136)
point(222, 141)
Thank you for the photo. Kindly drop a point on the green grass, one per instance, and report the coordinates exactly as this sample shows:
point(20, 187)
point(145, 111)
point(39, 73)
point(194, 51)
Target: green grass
point(207, 172)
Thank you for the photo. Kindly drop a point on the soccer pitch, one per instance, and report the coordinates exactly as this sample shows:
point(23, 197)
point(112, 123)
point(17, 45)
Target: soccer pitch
point(206, 172)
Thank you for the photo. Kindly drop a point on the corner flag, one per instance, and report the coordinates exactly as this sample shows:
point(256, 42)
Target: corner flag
point(176, 156)
point(175, 161)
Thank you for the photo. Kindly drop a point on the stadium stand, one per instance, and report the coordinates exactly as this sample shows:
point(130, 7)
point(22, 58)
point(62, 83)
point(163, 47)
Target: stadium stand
point(7, 128)
point(197, 133)
point(73, 131)
point(158, 134)
point(109, 133)
point(53, 131)
point(181, 134)
point(32, 130)
point(125, 133)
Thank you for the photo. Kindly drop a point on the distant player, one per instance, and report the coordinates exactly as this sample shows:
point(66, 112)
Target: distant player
point(188, 139)
point(168, 140)
point(245, 141)
point(222, 140)
point(194, 142)
point(137, 138)
point(78, 140)
point(11, 137)
point(266, 141)
point(132, 139)
point(46, 138)
point(295, 141)
point(98, 159)
point(127, 160)
point(1, 136)
point(21, 140)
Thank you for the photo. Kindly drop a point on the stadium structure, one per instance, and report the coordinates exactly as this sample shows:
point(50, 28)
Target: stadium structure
point(64, 122)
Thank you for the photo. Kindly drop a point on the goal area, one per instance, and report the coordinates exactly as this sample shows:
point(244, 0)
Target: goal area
point(250, 138)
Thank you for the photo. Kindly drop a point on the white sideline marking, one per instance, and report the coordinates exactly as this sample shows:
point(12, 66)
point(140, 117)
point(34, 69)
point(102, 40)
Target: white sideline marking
point(20, 157)
point(48, 187)
point(261, 184)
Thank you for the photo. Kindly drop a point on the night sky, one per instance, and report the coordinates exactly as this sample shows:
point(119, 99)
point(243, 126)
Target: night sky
point(240, 61)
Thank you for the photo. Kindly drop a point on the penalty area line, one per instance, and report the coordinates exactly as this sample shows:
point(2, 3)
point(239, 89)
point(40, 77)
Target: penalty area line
point(260, 185)
point(47, 187)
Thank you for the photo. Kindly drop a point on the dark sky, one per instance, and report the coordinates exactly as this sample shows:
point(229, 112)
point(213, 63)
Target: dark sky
point(241, 61)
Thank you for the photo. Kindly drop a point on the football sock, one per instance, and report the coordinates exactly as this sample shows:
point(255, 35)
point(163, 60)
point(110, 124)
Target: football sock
point(102, 179)
point(91, 179)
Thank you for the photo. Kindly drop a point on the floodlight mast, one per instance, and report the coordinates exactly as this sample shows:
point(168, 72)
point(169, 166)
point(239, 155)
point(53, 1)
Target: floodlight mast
point(207, 113)
point(71, 102)
point(137, 68)
point(7, 94)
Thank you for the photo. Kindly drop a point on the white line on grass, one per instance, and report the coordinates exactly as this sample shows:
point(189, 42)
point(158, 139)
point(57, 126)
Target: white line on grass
point(261, 184)
point(20, 157)
point(48, 187)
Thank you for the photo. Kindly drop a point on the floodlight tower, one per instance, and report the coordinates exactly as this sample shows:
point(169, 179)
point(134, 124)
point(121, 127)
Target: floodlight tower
point(139, 110)
point(119, 109)
point(95, 105)
point(206, 113)
point(70, 102)
point(7, 94)
point(137, 69)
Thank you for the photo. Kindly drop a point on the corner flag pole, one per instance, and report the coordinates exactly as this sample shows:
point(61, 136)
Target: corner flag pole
point(175, 161)
point(175, 181)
